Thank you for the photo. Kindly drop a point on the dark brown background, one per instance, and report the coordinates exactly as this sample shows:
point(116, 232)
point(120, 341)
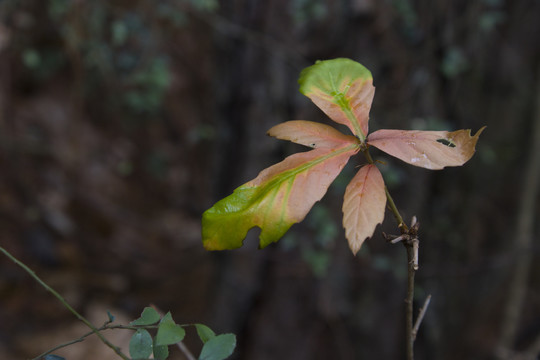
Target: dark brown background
point(122, 121)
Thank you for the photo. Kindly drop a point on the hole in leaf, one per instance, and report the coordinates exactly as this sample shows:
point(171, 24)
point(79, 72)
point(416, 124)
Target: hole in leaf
point(446, 142)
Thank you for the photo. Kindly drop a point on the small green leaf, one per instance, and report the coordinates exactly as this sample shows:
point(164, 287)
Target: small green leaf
point(169, 332)
point(205, 333)
point(219, 347)
point(161, 352)
point(111, 316)
point(140, 345)
point(149, 316)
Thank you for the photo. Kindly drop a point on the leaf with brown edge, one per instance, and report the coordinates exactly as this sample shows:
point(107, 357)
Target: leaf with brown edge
point(278, 197)
point(428, 149)
point(343, 89)
point(363, 206)
point(312, 134)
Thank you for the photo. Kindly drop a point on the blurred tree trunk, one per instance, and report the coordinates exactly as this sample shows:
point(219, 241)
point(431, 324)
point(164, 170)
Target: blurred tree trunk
point(521, 248)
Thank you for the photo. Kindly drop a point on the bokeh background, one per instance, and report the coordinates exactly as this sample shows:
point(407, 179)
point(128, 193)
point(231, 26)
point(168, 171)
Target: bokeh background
point(122, 121)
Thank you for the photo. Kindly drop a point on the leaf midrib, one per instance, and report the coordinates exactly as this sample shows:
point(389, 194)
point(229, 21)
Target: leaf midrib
point(291, 174)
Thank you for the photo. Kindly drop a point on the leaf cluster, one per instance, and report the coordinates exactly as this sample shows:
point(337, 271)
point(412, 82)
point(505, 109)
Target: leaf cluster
point(153, 334)
point(284, 193)
point(142, 344)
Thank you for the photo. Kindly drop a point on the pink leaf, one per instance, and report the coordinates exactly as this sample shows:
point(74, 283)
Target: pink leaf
point(278, 197)
point(353, 108)
point(363, 206)
point(428, 149)
point(312, 134)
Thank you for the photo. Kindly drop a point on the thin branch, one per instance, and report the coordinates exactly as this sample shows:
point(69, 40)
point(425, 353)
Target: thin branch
point(397, 239)
point(81, 339)
point(392, 206)
point(78, 340)
point(409, 239)
point(183, 348)
point(409, 301)
point(365, 151)
point(105, 326)
point(420, 317)
point(66, 305)
point(415, 246)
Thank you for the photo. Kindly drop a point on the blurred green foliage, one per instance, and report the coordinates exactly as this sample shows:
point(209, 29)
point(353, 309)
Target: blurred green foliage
point(490, 19)
point(149, 85)
point(454, 62)
point(406, 12)
point(304, 11)
point(116, 52)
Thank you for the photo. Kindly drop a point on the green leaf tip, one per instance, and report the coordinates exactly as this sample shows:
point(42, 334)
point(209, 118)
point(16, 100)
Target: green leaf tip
point(279, 197)
point(204, 332)
point(149, 316)
point(343, 89)
point(219, 347)
point(328, 74)
point(169, 332)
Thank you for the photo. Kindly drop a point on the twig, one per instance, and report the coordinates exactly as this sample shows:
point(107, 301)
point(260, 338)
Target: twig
point(396, 239)
point(105, 326)
point(420, 317)
point(81, 339)
point(183, 348)
point(78, 340)
point(392, 206)
point(415, 246)
point(409, 301)
point(409, 238)
point(66, 305)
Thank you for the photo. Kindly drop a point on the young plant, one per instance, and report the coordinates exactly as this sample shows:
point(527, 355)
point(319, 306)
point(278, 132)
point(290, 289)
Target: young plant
point(141, 345)
point(283, 194)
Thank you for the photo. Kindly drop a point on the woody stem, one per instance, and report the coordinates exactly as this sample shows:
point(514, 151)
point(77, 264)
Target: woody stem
point(411, 270)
